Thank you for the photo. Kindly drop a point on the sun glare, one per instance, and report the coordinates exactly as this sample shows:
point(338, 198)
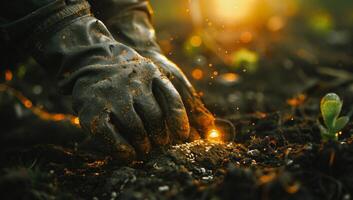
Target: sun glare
point(232, 10)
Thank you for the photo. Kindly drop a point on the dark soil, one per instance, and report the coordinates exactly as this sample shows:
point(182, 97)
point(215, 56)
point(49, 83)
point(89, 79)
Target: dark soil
point(289, 163)
point(276, 155)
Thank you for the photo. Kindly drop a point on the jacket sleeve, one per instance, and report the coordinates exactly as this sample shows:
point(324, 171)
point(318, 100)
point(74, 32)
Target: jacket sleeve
point(67, 40)
point(28, 19)
point(128, 21)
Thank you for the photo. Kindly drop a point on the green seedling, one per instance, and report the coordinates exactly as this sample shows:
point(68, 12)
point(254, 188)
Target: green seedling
point(331, 106)
point(246, 59)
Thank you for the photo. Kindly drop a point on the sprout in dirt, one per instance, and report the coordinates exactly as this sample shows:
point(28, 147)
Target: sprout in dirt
point(331, 106)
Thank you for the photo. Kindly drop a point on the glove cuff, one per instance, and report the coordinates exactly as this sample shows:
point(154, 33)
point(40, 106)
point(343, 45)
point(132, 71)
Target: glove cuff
point(56, 22)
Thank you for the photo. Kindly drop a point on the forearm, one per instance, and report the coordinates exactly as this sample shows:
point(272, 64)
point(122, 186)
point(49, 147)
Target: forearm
point(106, 9)
point(64, 37)
point(129, 22)
point(22, 26)
point(16, 9)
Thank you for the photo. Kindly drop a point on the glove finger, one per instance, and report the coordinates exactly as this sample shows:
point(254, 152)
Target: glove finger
point(151, 114)
point(132, 128)
point(106, 137)
point(200, 117)
point(173, 108)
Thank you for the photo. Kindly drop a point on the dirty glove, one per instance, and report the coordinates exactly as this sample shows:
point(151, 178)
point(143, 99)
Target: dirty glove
point(201, 119)
point(129, 22)
point(121, 98)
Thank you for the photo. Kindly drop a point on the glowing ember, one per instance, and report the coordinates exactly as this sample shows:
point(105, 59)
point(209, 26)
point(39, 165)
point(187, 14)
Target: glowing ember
point(297, 101)
point(8, 75)
point(197, 74)
point(214, 136)
point(229, 78)
point(293, 188)
point(267, 178)
point(75, 121)
point(260, 115)
point(195, 41)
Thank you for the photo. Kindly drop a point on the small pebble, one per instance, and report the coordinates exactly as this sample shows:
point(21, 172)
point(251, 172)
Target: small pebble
point(309, 146)
point(155, 166)
point(203, 170)
point(253, 162)
point(253, 152)
point(163, 188)
point(207, 177)
point(347, 197)
point(296, 166)
point(114, 195)
point(289, 162)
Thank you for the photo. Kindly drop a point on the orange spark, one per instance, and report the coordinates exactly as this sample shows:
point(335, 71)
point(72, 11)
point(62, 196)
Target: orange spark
point(97, 163)
point(293, 188)
point(8, 75)
point(297, 101)
point(214, 136)
point(260, 115)
point(197, 74)
point(75, 121)
point(230, 77)
point(267, 178)
point(27, 103)
point(195, 41)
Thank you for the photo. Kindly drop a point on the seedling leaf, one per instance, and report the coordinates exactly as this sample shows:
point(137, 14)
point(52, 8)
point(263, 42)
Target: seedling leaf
point(341, 123)
point(331, 106)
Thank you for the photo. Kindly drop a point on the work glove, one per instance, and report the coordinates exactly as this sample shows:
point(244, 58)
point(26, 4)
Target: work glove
point(121, 98)
point(130, 23)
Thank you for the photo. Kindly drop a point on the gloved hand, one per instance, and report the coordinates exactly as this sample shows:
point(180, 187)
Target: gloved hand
point(129, 22)
point(201, 119)
point(130, 105)
point(121, 98)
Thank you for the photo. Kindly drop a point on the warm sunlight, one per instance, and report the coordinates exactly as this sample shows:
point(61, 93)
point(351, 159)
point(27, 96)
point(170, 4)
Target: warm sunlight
point(230, 11)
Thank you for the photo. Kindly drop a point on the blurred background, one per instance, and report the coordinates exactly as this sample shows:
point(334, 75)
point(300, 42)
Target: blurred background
point(252, 55)
point(243, 56)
